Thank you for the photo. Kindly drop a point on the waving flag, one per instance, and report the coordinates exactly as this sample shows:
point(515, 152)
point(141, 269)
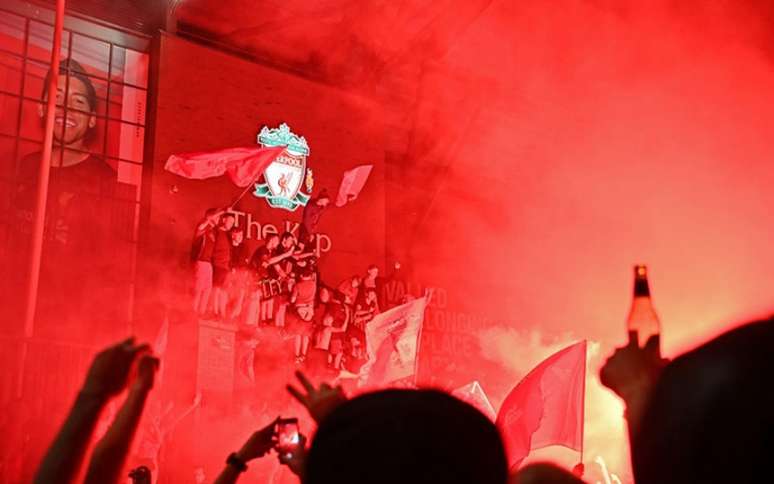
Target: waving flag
point(546, 407)
point(392, 341)
point(474, 395)
point(352, 182)
point(243, 165)
point(160, 346)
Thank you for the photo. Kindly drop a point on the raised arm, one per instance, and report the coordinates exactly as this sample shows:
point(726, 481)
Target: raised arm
point(278, 258)
point(319, 401)
point(304, 255)
point(256, 446)
point(110, 453)
point(342, 329)
point(208, 223)
point(106, 378)
point(632, 373)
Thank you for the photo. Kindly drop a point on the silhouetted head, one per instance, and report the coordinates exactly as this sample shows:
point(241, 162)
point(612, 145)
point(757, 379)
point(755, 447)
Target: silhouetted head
point(544, 473)
point(140, 475)
point(711, 415)
point(406, 436)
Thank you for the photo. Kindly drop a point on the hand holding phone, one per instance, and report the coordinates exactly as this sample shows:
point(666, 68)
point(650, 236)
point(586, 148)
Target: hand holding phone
point(287, 436)
point(291, 445)
point(259, 443)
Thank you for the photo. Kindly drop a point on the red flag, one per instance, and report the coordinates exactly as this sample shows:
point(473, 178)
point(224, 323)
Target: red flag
point(243, 165)
point(352, 182)
point(546, 407)
point(392, 343)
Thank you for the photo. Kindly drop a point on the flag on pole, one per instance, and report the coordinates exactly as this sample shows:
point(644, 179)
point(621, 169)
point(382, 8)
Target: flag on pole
point(162, 338)
point(160, 346)
point(352, 182)
point(546, 407)
point(243, 165)
point(392, 344)
point(474, 395)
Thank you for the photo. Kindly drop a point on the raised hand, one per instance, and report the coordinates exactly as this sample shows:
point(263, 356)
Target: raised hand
point(632, 370)
point(318, 401)
point(109, 372)
point(295, 459)
point(632, 373)
point(261, 442)
point(146, 371)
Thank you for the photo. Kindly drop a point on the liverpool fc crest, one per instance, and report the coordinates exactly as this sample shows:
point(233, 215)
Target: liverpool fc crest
point(286, 175)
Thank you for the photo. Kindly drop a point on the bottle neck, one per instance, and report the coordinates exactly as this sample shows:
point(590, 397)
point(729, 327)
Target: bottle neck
point(641, 288)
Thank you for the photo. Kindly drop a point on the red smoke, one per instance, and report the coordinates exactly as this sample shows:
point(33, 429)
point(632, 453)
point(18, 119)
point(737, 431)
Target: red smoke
point(534, 152)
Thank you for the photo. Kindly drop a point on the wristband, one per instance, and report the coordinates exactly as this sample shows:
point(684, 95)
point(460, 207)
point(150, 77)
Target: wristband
point(235, 462)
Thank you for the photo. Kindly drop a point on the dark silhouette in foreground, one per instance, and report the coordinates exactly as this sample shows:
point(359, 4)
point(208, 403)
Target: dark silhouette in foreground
point(107, 377)
point(707, 416)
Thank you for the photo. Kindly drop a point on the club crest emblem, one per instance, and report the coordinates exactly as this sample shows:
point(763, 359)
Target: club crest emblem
point(287, 174)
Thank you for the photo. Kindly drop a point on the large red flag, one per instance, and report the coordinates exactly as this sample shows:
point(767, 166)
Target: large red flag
point(546, 407)
point(243, 165)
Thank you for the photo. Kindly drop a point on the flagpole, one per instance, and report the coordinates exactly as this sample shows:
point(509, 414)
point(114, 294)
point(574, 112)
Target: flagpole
point(419, 339)
point(583, 401)
point(249, 187)
point(38, 221)
point(244, 192)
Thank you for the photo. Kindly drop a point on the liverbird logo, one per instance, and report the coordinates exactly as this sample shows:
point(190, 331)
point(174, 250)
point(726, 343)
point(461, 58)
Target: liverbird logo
point(284, 177)
point(283, 183)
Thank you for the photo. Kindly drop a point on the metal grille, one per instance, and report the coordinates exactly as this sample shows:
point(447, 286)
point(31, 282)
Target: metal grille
point(119, 76)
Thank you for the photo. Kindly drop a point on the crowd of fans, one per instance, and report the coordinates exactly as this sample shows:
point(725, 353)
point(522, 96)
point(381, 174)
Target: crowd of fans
point(704, 417)
point(279, 284)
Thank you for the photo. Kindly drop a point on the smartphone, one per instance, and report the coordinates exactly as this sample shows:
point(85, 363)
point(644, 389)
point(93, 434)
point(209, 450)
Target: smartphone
point(287, 435)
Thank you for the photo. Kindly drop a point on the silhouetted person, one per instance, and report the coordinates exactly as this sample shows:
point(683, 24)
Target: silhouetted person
point(406, 436)
point(312, 213)
point(709, 416)
point(543, 473)
point(202, 249)
point(107, 377)
point(140, 475)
